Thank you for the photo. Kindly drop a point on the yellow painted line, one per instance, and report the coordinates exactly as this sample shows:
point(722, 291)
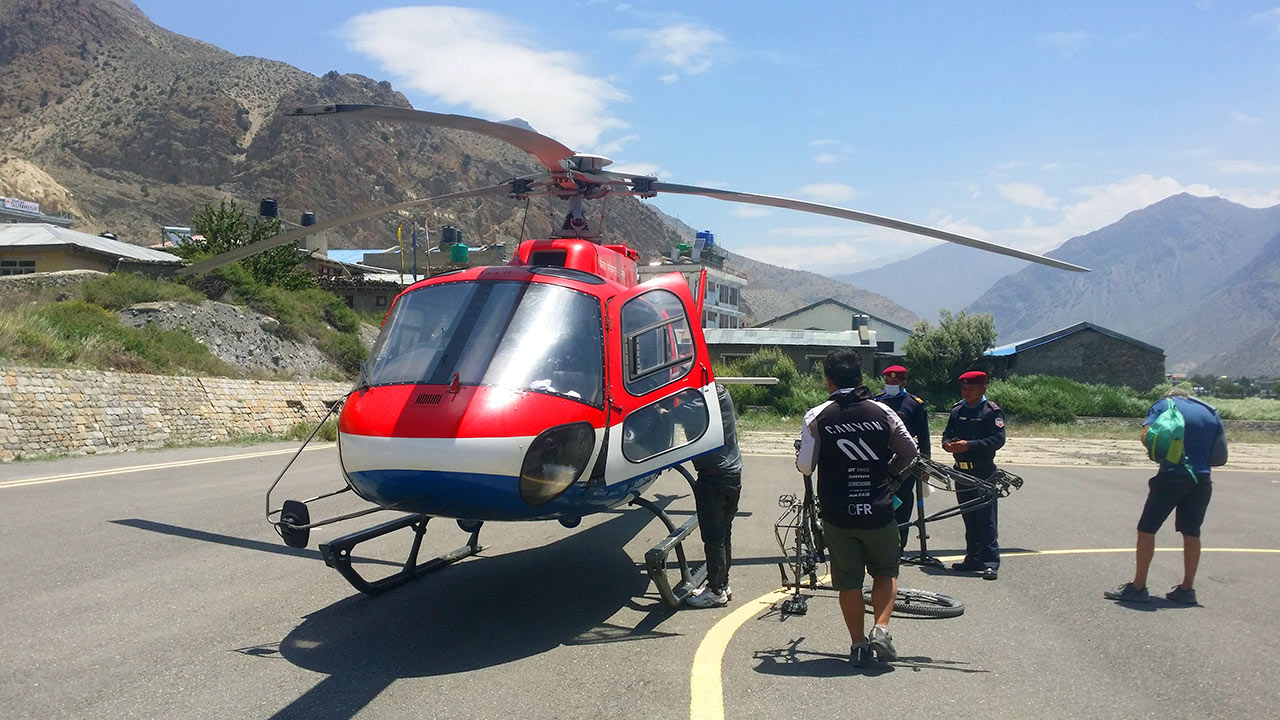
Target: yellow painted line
point(155, 466)
point(706, 688)
point(706, 692)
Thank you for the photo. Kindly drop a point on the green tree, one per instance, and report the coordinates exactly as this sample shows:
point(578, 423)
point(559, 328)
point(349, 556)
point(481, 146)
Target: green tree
point(935, 357)
point(216, 230)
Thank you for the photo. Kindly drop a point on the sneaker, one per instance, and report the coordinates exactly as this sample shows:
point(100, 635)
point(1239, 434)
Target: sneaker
point(706, 597)
point(882, 643)
point(860, 655)
point(1128, 593)
point(728, 593)
point(1179, 595)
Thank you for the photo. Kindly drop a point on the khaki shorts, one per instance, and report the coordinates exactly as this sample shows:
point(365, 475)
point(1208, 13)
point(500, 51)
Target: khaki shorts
point(855, 553)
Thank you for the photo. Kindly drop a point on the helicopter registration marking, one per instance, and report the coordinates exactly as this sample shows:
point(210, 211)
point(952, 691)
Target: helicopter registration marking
point(155, 466)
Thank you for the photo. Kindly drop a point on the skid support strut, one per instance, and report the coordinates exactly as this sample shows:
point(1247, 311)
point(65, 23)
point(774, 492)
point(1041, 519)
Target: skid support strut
point(337, 554)
point(656, 559)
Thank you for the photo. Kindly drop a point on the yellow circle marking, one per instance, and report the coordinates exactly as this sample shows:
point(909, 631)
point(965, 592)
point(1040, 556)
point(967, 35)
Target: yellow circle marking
point(706, 690)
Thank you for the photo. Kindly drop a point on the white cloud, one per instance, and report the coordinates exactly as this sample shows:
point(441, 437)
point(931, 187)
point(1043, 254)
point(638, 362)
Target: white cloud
point(1271, 17)
point(481, 60)
point(1245, 167)
point(827, 158)
point(829, 193)
point(1099, 206)
point(616, 145)
point(1065, 44)
point(638, 168)
point(1026, 195)
point(670, 78)
point(1244, 119)
point(685, 48)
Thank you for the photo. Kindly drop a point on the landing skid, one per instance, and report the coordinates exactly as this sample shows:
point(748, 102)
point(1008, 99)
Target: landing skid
point(337, 554)
point(656, 559)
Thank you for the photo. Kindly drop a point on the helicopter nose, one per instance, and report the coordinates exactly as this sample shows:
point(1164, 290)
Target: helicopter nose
point(482, 453)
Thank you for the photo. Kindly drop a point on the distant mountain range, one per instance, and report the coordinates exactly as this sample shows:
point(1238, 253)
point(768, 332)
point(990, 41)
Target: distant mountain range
point(1199, 277)
point(946, 277)
point(130, 127)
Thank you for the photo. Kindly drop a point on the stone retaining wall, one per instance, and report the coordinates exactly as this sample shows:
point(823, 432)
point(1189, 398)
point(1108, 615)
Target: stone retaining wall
point(85, 411)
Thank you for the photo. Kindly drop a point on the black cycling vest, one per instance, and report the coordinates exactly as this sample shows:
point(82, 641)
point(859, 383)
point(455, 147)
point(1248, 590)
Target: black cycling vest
point(853, 460)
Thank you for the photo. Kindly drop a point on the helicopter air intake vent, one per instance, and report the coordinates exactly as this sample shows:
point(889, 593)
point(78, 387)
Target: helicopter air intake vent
point(428, 399)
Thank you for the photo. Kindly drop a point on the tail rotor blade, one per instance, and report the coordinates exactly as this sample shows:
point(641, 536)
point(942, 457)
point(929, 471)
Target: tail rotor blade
point(548, 151)
point(839, 212)
point(245, 251)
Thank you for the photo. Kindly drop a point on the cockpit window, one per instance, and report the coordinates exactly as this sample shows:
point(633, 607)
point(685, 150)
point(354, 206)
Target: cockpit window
point(657, 345)
point(527, 336)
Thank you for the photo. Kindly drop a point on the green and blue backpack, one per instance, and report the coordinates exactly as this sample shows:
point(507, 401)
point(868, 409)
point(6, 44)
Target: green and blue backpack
point(1166, 437)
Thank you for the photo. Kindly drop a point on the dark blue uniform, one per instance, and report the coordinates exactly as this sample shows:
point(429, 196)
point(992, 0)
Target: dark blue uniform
point(983, 427)
point(912, 411)
point(716, 492)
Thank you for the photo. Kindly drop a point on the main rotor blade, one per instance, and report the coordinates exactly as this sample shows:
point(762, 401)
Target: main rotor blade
point(839, 212)
point(547, 151)
point(245, 251)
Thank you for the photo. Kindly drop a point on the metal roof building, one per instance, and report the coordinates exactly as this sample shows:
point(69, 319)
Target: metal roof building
point(38, 247)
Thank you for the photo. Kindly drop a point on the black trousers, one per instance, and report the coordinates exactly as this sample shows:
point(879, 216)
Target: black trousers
point(717, 497)
point(981, 535)
point(907, 494)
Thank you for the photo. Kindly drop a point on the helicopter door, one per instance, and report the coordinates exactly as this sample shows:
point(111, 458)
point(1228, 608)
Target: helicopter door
point(662, 390)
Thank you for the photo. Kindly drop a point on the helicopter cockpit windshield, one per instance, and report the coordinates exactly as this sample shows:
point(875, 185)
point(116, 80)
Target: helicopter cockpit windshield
point(530, 336)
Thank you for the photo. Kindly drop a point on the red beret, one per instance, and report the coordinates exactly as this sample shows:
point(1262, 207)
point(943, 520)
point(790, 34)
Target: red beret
point(894, 369)
point(974, 377)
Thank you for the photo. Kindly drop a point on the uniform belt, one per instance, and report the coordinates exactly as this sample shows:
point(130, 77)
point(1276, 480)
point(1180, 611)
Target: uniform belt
point(972, 465)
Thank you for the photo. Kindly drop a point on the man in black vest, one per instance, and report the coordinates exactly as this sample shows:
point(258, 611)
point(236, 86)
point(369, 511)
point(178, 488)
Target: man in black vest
point(974, 432)
point(856, 444)
point(912, 411)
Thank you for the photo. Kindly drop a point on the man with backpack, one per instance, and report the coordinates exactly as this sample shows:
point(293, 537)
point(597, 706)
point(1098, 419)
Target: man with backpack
point(1182, 483)
point(857, 445)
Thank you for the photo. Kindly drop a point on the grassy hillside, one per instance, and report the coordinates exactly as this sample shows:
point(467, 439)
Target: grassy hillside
point(74, 325)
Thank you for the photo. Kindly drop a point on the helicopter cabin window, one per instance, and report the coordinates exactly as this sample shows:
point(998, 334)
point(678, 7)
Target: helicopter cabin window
point(658, 346)
point(522, 336)
point(670, 423)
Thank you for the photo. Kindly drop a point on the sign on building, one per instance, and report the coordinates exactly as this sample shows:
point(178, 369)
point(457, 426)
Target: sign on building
point(23, 205)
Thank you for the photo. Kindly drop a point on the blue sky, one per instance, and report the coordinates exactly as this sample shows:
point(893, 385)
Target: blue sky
point(1019, 122)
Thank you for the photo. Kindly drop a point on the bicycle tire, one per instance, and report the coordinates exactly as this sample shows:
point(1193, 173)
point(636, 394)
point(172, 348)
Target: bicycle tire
point(921, 603)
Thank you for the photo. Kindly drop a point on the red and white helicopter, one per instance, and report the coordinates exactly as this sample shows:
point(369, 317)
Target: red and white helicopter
point(551, 388)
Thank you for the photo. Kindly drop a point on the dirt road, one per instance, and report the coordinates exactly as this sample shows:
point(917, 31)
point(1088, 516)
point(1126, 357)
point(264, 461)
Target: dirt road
point(1055, 451)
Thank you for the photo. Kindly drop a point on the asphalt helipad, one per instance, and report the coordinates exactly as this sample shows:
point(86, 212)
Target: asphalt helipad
point(148, 585)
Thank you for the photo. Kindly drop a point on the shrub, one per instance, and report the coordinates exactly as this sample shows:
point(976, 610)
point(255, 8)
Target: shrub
point(120, 290)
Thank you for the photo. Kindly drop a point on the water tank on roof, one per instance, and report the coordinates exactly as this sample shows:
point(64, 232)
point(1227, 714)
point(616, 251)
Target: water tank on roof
point(308, 219)
point(708, 237)
point(458, 253)
point(268, 208)
point(449, 236)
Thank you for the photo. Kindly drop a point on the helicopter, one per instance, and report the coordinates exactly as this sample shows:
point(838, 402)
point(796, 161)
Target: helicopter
point(551, 388)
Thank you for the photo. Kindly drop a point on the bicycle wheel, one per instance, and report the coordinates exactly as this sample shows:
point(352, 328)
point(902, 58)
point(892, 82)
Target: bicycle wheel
point(921, 603)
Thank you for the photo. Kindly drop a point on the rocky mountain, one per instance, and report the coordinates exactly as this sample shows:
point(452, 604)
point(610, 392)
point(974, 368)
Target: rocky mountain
point(129, 127)
point(946, 277)
point(1195, 276)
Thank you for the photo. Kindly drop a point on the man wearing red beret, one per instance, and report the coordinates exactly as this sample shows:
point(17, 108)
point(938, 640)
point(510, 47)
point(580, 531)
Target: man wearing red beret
point(974, 432)
point(912, 411)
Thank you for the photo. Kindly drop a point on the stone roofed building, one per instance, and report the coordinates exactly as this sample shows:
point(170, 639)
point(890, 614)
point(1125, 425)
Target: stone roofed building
point(1085, 353)
point(831, 314)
